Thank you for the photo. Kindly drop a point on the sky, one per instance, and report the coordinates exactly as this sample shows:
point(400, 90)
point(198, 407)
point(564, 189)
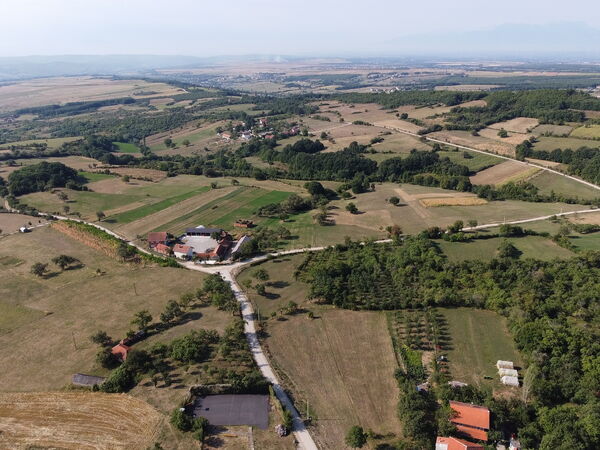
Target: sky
point(239, 27)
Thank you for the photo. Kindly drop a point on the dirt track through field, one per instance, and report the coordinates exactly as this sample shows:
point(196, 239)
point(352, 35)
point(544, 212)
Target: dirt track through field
point(76, 420)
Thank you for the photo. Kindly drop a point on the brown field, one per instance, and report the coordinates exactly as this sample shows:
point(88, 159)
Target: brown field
point(52, 318)
point(115, 185)
point(153, 175)
point(10, 223)
point(76, 420)
point(542, 162)
point(592, 218)
point(512, 139)
point(46, 91)
point(517, 125)
point(500, 173)
point(449, 201)
point(592, 114)
point(554, 130)
point(477, 142)
point(393, 123)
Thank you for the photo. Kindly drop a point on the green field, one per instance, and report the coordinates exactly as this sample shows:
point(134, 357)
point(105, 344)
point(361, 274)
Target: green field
point(143, 211)
point(552, 143)
point(93, 176)
point(485, 249)
point(51, 142)
point(587, 132)
point(586, 241)
point(478, 162)
point(548, 182)
point(126, 147)
point(479, 338)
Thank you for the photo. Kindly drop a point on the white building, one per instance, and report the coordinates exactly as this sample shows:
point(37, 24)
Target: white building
point(510, 381)
point(504, 365)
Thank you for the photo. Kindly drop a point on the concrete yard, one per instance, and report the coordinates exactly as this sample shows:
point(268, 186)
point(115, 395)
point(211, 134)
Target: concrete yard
point(252, 410)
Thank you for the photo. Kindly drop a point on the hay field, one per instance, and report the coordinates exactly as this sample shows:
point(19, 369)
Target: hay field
point(76, 420)
point(51, 142)
point(552, 143)
point(201, 136)
point(501, 173)
point(475, 161)
point(554, 130)
point(59, 313)
point(466, 139)
point(512, 139)
point(346, 367)
point(9, 223)
point(517, 125)
point(60, 90)
point(548, 182)
point(587, 132)
point(452, 201)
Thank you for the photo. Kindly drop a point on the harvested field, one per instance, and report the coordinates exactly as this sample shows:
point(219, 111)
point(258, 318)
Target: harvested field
point(554, 130)
point(76, 420)
point(552, 143)
point(477, 142)
point(449, 201)
point(152, 175)
point(592, 114)
point(399, 125)
point(60, 90)
point(9, 223)
point(543, 162)
point(51, 142)
point(500, 173)
point(517, 125)
point(512, 139)
point(548, 182)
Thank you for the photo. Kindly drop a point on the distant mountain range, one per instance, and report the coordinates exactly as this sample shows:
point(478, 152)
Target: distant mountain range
point(516, 40)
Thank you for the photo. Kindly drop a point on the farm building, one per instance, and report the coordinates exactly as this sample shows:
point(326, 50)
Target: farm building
point(238, 245)
point(452, 443)
point(183, 251)
point(504, 365)
point(164, 249)
point(157, 237)
point(226, 136)
point(121, 350)
point(508, 372)
point(510, 381)
point(202, 231)
point(471, 420)
point(242, 223)
point(80, 379)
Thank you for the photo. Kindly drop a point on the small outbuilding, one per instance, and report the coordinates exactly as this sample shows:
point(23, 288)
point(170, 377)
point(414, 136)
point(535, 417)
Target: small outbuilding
point(121, 350)
point(81, 379)
point(510, 381)
point(508, 372)
point(452, 443)
point(504, 365)
point(183, 251)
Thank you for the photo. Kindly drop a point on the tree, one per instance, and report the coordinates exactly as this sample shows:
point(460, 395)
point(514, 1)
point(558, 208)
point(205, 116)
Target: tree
point(502, 133)
point(186, 142)
point(261, 274)
point(186, 300)
point(39, 269)
point(323, 135)
point(142, 319)
point(62, 196)
point(472, 223)
point(126, 178)
point(508, 250)
point(180, 420)
point(100, 215)
point(106, 359)
point(394, 200)
point(168, 142)
point(214, 185)
point(351, 207)
point(66, 209)
point(172, 311)
point(64, 261)
point(126, 251)
point(356, 437)
point(101, 338)
point(260, 289)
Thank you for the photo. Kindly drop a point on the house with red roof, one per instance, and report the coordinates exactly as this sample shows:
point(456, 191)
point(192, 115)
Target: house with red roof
point(452, 443)
point(183, 251)
point(157, 237)
point(121, 350)
point(471, 420)
point(163, 249)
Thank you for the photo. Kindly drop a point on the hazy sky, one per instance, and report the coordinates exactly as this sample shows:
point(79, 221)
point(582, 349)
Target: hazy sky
point(234, 27)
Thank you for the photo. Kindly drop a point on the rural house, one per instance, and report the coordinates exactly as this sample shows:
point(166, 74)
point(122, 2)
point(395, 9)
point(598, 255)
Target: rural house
point(121, 350)
point(157, 237)
point(163, 249)
point(471, 420)
point(452, 443)
point(183, 251)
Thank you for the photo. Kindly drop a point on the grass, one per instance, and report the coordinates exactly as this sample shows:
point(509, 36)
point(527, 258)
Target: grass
point(552, 143)
point(478, 338)
point(587, 132)
point(143, 211)
point(477, 162)
point(94, 176)
point(57, 314)
point(486, 249)
point(548, 182)
point(126, 147)
point(51, 142)
point(341, 362)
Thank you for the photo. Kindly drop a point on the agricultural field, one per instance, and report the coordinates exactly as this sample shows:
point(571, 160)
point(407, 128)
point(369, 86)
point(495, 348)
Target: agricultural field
point(548, 182)
point(548, 143)
point(479, 338)
point(512, 138)
point(485, 249)
point(198, 135)
point(474, 161)
point(126, 147)
point(50, 142)
point(10, 223)
point(346, 368)
point(554, 130)
point(520, 125)
point(466, 139)
point(52, 317)
point(76, 162)
point(47, 91)
point(587, 132)
point(77, 420)
point(503, 173)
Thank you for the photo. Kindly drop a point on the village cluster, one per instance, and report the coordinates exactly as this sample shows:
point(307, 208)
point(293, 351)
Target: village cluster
point(263, 131)
point(201, 244)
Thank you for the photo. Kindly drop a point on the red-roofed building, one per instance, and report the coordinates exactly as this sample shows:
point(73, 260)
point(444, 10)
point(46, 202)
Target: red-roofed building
point(157, 237)
point(164, 249)
point(121, 350)
point(452, 443)
point(471, 420)
point(183, 251)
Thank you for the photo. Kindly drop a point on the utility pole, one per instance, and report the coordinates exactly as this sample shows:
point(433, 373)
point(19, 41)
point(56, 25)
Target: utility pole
point(134, 289)
point(74, 343)
point(307, 410)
